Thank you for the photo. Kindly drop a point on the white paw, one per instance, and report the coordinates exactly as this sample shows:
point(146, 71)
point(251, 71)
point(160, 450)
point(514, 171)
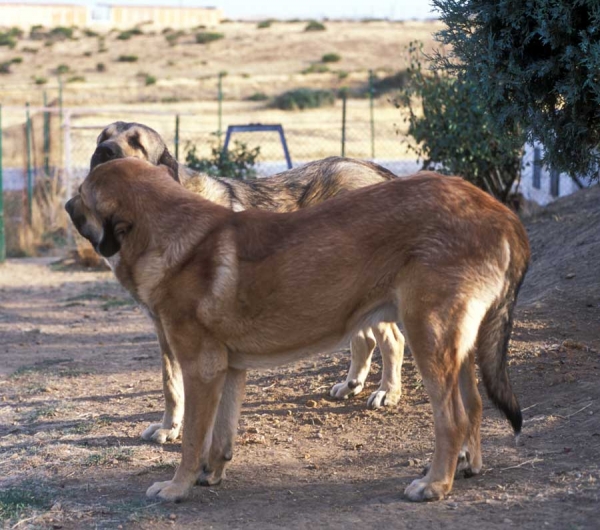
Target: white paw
point(347, 389)
point(168, 491)
point(383, 398)
point(421, 490)
point(156, 433)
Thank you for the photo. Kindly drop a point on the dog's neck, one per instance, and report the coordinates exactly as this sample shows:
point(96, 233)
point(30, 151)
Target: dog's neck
point(185, 223)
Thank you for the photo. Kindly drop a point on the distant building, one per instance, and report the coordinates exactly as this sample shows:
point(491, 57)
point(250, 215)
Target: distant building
point(107, 16)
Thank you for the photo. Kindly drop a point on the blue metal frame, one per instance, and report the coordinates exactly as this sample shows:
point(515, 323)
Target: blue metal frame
point(259, 127)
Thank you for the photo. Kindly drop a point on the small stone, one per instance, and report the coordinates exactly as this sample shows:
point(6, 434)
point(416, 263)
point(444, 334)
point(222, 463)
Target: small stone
point(173, 516)
point(311, 404)
point(570, 276)
point(252, 430)
point(508, 521)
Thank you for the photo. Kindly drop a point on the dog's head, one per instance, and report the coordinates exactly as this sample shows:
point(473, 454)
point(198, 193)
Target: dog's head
point(113, 197)
point(134, 140)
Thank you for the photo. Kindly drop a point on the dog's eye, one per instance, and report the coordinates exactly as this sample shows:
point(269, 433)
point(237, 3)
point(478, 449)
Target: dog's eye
point(121, 229)
point(134, 141)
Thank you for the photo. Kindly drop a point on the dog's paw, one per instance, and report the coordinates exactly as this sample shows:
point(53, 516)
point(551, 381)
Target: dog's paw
point(383, 398)
point(421, 490)
point(168, 491)
point(210, 478)
point(156, 433)
point(346, 389)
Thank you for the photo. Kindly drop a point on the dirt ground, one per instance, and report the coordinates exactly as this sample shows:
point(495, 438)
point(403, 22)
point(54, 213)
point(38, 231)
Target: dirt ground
point(80, 380)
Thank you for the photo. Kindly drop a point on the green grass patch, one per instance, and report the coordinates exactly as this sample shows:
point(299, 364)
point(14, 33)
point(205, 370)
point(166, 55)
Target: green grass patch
point(204, 37)
point(315, 25)
point(117, 302)
point(17, 502)
point(127, 58)
point(331, 58)
point(304, 98)
point(42, 366)
point(110, 455)
point(258, 96)
point(316, 68)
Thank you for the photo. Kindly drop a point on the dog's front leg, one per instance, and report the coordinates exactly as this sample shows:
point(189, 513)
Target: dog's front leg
point(202, 396)
point(170, 426)
point(225, 430)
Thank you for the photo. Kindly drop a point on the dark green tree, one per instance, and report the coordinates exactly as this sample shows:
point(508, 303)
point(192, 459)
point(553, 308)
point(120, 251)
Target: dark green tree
point(452, 130)
point(537, 66)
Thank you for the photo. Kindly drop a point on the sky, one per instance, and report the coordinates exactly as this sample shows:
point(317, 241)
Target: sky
point(393, 9)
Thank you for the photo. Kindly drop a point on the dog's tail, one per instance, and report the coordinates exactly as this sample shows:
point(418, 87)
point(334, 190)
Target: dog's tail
point(492, 346)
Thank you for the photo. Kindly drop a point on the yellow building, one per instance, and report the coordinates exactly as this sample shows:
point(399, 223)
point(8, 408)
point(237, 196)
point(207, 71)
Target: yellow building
point(49, 15)
point(107, 16)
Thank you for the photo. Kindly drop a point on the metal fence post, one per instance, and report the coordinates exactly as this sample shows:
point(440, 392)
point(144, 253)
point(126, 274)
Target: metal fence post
point(29, 165)
point(2, 236)
point(344, 97)
point(220, 99)
point(177, 137)
point(46, 136)
point(68, 173)
point(371, 98)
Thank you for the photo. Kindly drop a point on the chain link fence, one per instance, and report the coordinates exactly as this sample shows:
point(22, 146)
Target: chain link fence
point(47, 150)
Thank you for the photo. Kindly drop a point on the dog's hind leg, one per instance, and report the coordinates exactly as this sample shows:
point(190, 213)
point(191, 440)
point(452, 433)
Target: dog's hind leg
point(391, 345)
point(469, 460)
point(361, 348)
point(436, 348)
point(225, 429)
point(170, 426)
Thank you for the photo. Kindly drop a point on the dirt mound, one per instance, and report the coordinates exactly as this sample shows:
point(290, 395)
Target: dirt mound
point(562, 286)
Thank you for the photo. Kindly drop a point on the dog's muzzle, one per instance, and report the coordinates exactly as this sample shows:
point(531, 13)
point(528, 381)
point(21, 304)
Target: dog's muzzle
point(104, 152)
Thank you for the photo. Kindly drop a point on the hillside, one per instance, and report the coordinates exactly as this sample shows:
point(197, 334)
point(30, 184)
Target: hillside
point(169, 67)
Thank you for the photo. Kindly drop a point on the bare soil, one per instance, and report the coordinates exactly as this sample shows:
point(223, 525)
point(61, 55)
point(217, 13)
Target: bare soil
point(81, 379)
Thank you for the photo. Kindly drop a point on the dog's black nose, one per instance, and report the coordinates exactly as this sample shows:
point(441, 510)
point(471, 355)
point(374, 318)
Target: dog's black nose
point(104, 152)
point(69, 207)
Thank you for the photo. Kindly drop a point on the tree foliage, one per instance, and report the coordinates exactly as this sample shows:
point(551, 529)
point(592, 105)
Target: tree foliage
point(453, 132)
point(536, 63)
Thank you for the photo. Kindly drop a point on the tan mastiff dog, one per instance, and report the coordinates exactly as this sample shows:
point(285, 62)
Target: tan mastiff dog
point(251, 289)
point(289, 191)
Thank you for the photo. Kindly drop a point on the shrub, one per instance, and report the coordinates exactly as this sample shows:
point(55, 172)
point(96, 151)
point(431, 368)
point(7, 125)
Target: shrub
point(149, 80)
point(27, 49)
point(316, 68)
point(127, 34)
point(258, 96)
point(264, 23)
point(76, 79)
point(62, 69)
point(100, 67)
point(304, 98)
point(61, 33)
point(89, 33)
point(331, 58)
point(173, 37)
point(87, 54)
point(127, 58)
point(238, 162)
point(342, 74)
point(5, 67)
point(7, 40)
point(315, 25)
point(40, 80)
point(204, 37)
point(16, 60)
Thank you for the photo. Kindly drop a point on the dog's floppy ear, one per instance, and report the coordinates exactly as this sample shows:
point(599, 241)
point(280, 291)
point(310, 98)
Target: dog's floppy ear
point(167, 159)
point(108, 245)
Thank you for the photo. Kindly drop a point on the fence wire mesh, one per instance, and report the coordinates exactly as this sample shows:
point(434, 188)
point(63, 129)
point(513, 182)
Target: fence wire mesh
point(55, 150)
